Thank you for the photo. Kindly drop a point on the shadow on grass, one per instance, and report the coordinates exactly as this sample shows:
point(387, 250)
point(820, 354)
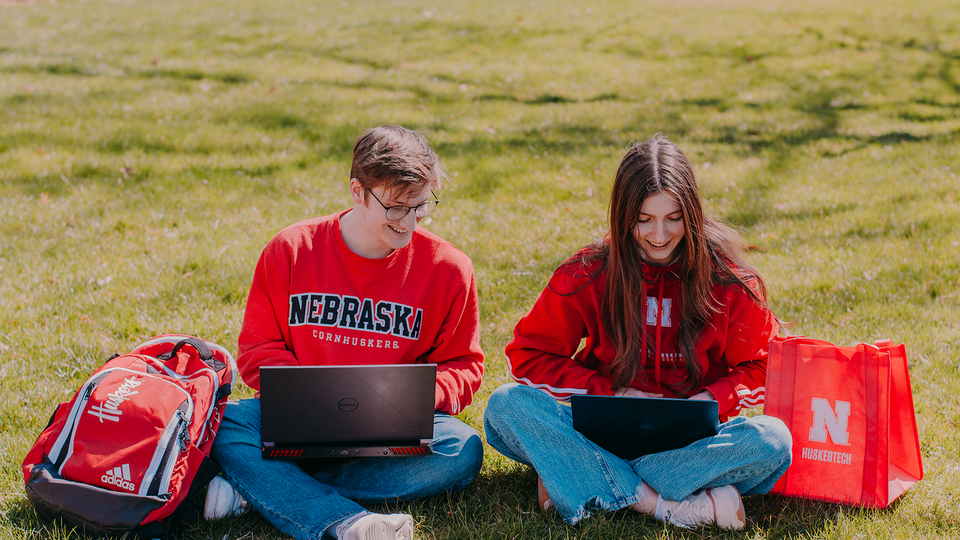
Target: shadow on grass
point(785, 517)
point(479, 153)
point(312, 126)
point(781, 149)
point(52, 68)
point(546, 99)
point(756, 205)
point(76, 70)
point(949, 72)
point(194, 75)
point(503, 505)
point(112, 180)
point(564, 139)
point(20, 516)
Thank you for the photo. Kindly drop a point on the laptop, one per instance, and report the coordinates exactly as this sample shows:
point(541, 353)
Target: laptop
point(347, 411)
point(630, 427)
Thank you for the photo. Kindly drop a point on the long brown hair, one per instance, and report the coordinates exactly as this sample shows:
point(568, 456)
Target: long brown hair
point(710, 252)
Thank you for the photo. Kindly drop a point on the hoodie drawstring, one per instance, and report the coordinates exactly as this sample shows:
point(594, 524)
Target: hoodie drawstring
point(656, 355)
point(643, 326)
point(659, 317)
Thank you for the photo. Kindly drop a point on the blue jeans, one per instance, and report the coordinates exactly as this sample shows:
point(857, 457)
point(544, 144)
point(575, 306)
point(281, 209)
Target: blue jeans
point(304, 504)
point(529, 426)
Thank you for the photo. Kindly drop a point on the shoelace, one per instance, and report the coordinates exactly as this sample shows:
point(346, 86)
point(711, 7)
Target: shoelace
point(688, 513)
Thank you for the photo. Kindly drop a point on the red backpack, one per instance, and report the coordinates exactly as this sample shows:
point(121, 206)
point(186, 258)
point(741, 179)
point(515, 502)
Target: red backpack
point(133, 445)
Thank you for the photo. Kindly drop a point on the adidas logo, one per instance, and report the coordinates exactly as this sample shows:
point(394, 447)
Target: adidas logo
point(120, 477)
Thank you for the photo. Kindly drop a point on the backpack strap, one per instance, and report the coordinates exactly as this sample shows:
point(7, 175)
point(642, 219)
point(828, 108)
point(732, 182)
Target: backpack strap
point(201, 347)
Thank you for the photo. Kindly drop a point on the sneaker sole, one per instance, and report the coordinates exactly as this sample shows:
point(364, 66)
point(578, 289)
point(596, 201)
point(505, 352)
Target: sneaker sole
point(741, 514)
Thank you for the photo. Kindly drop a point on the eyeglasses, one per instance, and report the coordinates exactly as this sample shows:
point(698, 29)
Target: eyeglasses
point(396, 213)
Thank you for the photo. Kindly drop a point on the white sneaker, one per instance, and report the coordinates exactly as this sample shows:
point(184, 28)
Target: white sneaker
point(370, 526)
point(223, 501)
point(721, 505)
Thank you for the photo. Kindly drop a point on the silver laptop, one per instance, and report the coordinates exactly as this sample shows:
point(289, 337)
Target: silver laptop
point(347, 411)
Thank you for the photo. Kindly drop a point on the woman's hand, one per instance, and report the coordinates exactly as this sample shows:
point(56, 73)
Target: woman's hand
point(703, 396)
point(626, 391)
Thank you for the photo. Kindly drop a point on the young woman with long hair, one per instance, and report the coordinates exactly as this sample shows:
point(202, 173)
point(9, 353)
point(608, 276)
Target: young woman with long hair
point(664, 305)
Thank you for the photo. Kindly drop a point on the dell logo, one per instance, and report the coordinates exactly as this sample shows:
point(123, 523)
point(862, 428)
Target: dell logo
point(348, 404)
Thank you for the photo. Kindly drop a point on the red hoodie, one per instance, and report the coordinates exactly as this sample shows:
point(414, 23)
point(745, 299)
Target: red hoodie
point(547, 353)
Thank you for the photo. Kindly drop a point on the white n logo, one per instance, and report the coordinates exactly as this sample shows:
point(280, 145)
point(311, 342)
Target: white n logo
point(653, 309)
point(834, 422)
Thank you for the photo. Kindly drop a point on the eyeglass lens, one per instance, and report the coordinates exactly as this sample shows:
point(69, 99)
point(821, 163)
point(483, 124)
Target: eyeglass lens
point(395, 213)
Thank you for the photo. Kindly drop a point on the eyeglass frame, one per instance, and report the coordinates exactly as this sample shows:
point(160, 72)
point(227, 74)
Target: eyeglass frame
point(387, 209)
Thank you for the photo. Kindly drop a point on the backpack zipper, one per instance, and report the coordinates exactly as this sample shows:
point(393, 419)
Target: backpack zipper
point(174, 441)
point(63, 447)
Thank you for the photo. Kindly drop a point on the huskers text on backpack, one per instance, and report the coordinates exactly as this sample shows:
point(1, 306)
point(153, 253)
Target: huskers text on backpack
point(134, 442)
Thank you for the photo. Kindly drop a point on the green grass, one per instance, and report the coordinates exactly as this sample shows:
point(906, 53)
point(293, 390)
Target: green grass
point(149, 149)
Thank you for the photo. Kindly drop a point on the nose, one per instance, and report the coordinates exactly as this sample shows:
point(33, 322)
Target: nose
point(660, 232)
point(410, 220)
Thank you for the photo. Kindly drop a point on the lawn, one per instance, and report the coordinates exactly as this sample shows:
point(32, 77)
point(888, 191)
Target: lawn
point(148, 150)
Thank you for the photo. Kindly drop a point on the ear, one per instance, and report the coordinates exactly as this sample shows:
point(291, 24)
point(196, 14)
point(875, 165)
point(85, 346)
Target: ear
point(357, 191)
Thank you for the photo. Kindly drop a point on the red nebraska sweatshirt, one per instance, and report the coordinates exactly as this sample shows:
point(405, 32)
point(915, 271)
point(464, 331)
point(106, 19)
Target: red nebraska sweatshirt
point(315, 302)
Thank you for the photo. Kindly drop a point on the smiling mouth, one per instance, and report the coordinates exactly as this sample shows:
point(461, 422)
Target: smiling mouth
point(396, 230)
point(656, 245)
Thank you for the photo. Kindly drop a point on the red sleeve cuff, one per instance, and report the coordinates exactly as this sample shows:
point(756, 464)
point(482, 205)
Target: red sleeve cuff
point(725, 392)
point(600, 385)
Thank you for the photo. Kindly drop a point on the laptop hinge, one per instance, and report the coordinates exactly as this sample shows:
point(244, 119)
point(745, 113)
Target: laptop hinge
point(303, 451)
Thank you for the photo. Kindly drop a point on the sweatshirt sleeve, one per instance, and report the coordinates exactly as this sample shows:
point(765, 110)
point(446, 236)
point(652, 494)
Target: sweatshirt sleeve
point(544, 351)
point(456, 351)
point(263, 336)
point(750, 329)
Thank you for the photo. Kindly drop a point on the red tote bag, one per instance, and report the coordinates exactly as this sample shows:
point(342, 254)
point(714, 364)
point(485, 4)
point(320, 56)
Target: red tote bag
point(850, 411)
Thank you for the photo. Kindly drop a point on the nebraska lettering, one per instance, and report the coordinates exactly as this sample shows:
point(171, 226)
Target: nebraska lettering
point(356, 342)
point(827, 456)
point(335, 311)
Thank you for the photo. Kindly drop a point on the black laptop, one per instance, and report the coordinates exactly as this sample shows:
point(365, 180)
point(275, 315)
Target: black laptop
point(630, 427)
point(347, 411)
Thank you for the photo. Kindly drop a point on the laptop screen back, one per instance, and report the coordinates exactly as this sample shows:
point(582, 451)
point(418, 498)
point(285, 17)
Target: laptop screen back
point(347, 404)
point(630, 427)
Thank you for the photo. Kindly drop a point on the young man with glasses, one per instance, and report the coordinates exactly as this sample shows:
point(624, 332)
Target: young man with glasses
point(395, 294)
